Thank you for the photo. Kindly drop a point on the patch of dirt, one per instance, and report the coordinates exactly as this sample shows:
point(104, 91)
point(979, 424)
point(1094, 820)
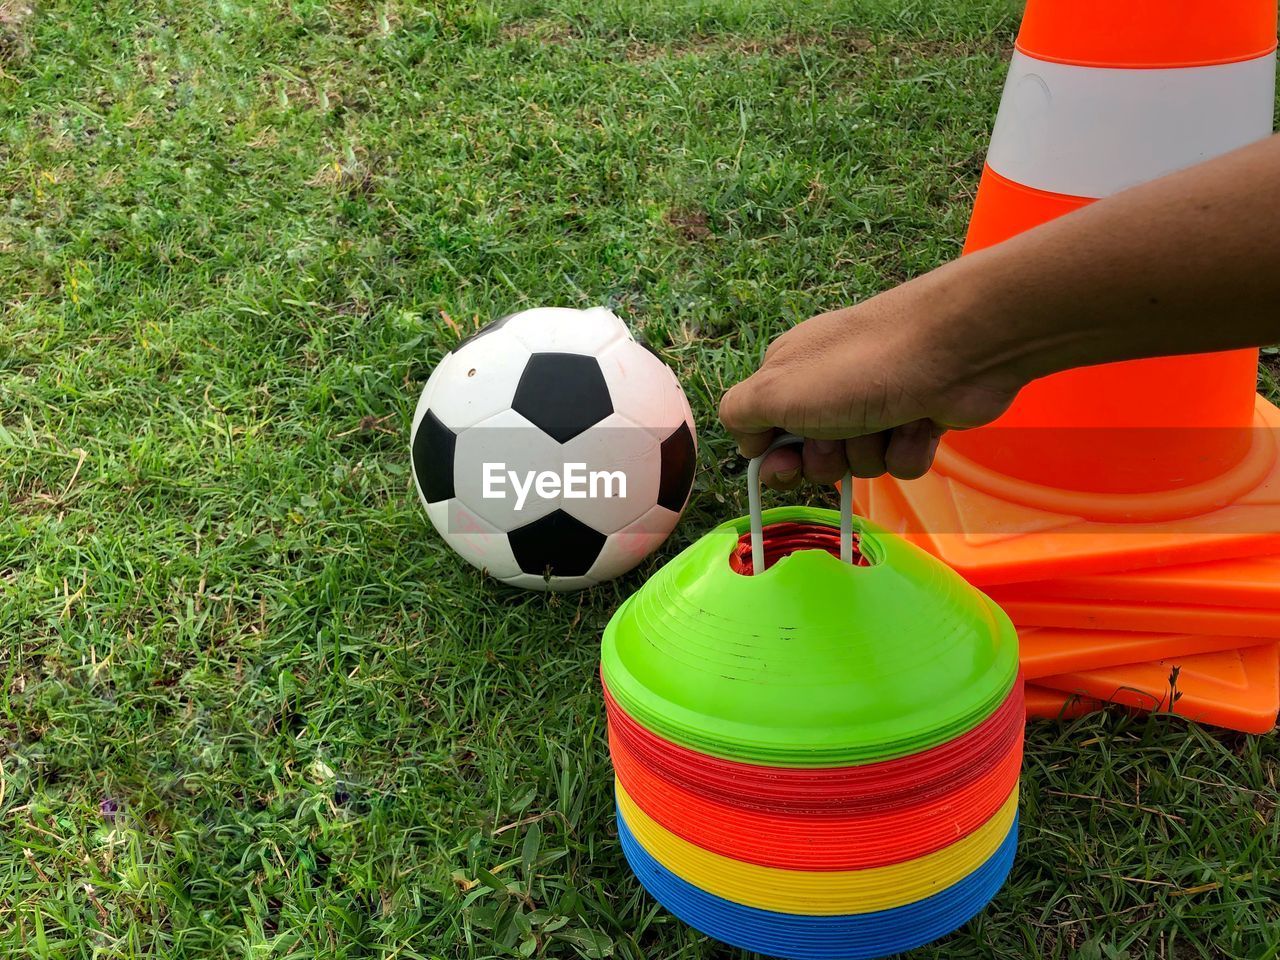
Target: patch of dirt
point(546, 31)
point(690, 225)
point(935, 47)
point(15, 18)
point(643, 51)
point(562, 33)
point(354, 175)
point(852, 42)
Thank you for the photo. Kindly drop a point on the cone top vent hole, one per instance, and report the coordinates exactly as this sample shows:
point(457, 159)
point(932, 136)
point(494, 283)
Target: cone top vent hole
point(787, 537)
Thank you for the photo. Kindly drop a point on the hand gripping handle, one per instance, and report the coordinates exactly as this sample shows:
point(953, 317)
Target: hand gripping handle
point(757, 521)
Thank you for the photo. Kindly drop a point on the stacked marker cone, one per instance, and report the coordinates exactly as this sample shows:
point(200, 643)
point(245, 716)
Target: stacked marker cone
point(1126, 515)
point(820, 761)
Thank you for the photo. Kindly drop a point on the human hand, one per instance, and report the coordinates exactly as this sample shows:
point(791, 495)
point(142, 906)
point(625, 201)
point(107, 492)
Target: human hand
point(873, 387)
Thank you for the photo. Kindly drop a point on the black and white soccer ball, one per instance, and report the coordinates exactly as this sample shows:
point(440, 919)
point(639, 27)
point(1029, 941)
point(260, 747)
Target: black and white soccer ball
point(552, 450)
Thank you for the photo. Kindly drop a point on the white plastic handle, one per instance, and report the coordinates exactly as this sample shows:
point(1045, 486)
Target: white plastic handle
point(757, 520)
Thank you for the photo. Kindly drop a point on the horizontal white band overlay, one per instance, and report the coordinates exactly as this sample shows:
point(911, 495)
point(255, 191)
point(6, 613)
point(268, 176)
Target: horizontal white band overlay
point(1092, 131)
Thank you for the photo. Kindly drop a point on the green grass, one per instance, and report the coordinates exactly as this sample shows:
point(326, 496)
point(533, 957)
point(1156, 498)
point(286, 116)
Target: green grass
point(251, 706)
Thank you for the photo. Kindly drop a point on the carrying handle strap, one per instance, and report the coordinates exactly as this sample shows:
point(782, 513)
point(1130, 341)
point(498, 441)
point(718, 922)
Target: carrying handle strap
point(757, 520)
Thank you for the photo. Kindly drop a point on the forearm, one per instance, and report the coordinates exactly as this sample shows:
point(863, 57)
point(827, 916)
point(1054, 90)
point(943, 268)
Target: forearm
point(1188, 263)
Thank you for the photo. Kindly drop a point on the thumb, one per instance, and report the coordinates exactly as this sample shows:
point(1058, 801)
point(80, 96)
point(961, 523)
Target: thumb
point(747, 415)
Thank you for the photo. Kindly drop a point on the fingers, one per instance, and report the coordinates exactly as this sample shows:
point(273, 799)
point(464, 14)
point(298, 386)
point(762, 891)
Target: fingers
point(821, 461)
point(742, 411)
point(781, 469)
point(753, 444)
point(905, 452)
point(911, 448)
point(824, 460)
point(865, 454)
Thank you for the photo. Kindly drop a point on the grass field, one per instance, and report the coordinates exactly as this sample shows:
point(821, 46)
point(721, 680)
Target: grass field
point(251, 706)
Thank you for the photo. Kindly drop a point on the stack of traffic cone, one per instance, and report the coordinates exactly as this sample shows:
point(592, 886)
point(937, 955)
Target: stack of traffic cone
point(1127, 515)
point(817, 749)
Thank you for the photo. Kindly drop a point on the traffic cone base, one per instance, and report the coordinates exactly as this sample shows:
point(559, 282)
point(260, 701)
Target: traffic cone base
point(1052, 651)
point(1238, 597)
point(1245, 583)
point(1046, 704)
point(1253, 459)
point(1011, 531)
point(1235, 689)
point(1124, 616)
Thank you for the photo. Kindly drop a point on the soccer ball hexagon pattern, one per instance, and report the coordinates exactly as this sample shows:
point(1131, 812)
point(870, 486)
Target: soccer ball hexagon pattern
point(552, 450)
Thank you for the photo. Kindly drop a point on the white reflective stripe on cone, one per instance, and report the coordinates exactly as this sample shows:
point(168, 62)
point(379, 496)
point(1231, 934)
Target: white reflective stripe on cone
point(1092, 131)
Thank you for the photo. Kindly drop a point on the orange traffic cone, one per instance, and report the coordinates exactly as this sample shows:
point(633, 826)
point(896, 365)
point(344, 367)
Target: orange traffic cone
point(1125, 465)
point(1126, 512)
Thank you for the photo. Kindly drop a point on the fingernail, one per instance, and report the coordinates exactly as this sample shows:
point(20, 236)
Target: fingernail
point(826, 446)
point(786, 476)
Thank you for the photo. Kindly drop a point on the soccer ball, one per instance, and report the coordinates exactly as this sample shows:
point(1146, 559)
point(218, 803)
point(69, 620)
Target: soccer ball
point(552, 450)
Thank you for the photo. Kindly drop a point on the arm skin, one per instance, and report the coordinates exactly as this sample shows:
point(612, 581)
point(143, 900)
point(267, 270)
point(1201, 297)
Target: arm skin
point(1189, 263)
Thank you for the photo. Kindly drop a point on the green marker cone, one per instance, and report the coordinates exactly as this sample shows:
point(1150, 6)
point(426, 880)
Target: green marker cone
point(812, 662)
